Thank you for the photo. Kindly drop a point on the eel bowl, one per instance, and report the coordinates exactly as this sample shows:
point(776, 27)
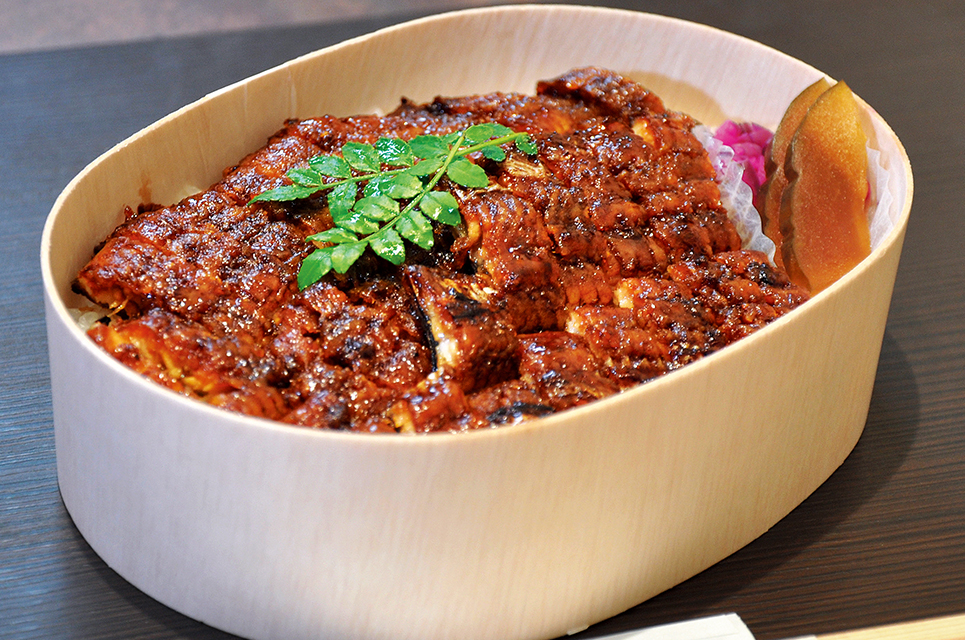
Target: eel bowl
point(524, 532)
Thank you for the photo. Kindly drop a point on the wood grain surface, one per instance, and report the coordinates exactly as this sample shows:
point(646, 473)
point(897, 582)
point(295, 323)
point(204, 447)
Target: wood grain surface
point(881, 542)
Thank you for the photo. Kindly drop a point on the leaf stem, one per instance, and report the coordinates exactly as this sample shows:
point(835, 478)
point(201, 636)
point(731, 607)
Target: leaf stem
point(495, 142)
point(347, 239)
point(454, 152)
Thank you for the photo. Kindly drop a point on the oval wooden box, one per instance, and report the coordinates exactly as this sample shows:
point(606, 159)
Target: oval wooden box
point(531, 531)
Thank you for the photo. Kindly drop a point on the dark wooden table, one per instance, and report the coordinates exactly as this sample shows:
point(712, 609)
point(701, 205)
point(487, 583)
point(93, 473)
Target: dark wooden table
point(882, 541)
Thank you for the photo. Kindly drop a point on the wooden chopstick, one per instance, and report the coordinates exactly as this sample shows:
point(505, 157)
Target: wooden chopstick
point(950, 627)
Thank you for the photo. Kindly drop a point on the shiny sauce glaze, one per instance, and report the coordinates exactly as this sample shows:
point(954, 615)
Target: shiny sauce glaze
point(601, 262)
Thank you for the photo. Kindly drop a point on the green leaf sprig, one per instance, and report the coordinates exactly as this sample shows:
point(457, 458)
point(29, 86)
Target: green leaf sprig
point(397, 202)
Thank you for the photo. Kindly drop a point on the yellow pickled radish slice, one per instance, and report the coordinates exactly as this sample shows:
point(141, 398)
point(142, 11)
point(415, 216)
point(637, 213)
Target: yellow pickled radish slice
point(823, 216)
point(773, 189)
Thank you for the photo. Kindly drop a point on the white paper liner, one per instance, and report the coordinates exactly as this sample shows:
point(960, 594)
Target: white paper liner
point(738, 199)
point(882, 214)
point(735, 194)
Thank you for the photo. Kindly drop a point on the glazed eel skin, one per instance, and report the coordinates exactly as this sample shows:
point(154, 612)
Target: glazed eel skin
point(601, 262)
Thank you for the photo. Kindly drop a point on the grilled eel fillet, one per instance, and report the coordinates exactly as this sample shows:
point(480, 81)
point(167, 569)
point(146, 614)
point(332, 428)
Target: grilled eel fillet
point(605, 260)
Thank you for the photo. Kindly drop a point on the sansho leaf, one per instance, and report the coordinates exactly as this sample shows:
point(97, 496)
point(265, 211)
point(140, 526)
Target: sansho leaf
point(429, 147)
point(388, 244)
point(361, 157)
point(315, 267)
point(357, 221)
point(426, 167)
point(394, 185)
point(486, 131)
point(415, 228)
point(380, 208)
point(441, 206)
point(332, 166)
point(334, 235)
point(403, 185)
point(341, 199)
point(345, 255)
point(395, 152)
point(526, 145)
point(467, 174)
point(305, 177)
point(285, 193)
point(379, 219)
point(494, 153)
